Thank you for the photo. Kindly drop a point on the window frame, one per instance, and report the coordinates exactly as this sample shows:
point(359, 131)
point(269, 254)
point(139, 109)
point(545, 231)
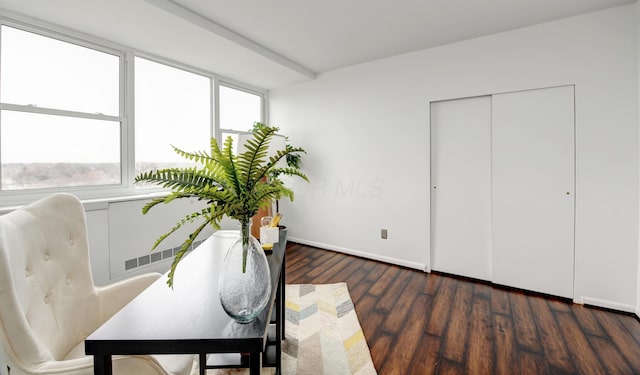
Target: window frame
point(126, 115)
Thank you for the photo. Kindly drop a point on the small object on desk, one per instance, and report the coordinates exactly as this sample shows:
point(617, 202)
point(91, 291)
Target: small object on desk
point(276, 220)
point(269, 233)
point(266, 221)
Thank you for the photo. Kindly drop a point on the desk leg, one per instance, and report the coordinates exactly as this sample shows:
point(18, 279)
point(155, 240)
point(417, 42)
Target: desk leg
point(279, 324)
point(102, 365)
point(203, 364)
point(282, 296)
point(255, 363)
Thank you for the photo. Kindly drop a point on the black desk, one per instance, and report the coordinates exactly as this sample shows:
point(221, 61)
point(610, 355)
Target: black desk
point(190, 320)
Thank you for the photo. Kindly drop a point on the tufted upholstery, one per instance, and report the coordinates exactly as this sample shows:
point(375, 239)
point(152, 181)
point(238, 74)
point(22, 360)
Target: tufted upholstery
point(48, 302)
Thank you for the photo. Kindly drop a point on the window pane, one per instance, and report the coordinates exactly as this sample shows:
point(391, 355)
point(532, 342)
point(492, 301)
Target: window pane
point(47, 72)
point(173, 107)
point(40, 151)
point(239, 109)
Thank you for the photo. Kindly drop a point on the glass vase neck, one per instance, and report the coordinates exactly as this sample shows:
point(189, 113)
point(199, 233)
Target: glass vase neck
point(245, 230)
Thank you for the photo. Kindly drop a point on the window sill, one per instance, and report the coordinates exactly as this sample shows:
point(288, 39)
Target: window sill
point(101, 203)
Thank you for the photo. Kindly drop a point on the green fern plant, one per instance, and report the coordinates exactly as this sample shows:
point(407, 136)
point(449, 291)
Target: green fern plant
point(232, 185)
point(293, 158)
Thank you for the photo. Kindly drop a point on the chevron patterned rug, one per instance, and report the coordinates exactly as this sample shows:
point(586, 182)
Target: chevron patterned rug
point(323, 334)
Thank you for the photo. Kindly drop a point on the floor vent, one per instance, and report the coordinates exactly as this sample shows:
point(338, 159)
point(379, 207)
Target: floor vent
point(156, 256)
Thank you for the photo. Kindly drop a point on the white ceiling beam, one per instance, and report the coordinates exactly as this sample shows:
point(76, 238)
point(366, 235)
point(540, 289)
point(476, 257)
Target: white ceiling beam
point(222, 31)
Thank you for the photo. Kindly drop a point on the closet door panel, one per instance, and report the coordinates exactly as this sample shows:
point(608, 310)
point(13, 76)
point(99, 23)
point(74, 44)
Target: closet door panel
point(461, 187)
point(533, 190)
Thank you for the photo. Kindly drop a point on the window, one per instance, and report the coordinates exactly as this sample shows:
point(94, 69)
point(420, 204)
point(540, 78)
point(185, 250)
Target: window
point(239, 109)
point(173, 107)
point(59, 113)
point(85, 118)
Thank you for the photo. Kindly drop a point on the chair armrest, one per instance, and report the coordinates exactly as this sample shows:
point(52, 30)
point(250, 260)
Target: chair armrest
point(115, 296)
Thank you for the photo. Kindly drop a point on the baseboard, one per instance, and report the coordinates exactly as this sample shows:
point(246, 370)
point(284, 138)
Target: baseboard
point(606, 304)
point(361, 254)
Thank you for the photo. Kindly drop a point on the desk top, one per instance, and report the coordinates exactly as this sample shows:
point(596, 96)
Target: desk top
point(189, 318)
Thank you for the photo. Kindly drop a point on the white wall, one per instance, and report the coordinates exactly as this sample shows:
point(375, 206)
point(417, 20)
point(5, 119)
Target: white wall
point(118, 231)
point(366, 129)
point(637, 8)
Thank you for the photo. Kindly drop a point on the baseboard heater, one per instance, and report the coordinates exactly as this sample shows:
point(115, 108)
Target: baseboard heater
point(156, 256)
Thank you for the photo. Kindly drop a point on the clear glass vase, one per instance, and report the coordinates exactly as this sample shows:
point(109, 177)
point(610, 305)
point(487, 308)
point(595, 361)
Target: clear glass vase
point(245, 280)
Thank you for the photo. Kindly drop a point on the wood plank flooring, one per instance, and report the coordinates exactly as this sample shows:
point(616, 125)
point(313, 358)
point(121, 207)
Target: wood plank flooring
point(419, 323)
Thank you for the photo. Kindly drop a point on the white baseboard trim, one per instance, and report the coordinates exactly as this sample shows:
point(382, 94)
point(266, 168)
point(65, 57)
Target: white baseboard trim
point(361, 254)
point(606, 304)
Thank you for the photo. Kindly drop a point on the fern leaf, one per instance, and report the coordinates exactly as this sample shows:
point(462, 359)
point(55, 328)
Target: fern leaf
point(183, 249)
point(271, 167)
point(187, 219)
point(251, 160)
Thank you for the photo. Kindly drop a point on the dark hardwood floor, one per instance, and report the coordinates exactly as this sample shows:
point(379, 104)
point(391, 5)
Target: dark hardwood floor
point(419, 323)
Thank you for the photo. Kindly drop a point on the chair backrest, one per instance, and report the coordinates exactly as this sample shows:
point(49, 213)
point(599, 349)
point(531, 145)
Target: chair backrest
point(48, 302)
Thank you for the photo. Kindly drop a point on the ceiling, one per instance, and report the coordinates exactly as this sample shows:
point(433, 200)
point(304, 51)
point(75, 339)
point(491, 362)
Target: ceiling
point(274, 43)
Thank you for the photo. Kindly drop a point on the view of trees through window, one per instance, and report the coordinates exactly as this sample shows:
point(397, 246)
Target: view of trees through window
point(42, 151)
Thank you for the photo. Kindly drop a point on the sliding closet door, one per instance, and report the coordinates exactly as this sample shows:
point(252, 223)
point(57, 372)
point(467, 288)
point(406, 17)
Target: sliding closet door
point(461, 187)
point(533, 190)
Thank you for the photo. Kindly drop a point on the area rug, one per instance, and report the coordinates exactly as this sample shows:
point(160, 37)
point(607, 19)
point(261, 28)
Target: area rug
point(323, 334)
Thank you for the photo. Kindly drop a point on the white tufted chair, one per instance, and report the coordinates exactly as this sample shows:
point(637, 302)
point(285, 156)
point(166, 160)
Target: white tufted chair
point(48, 302)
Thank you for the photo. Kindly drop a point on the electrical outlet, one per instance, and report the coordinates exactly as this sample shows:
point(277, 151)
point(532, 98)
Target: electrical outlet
point(383, 234)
